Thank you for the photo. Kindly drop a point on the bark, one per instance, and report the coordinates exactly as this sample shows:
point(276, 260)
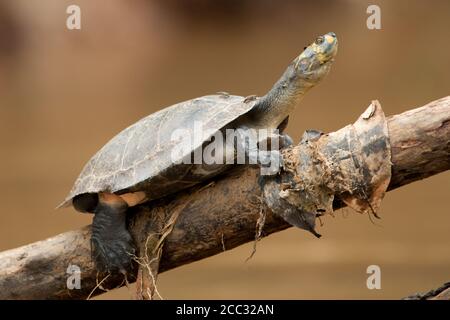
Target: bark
point(212, 218)
point(441, 293)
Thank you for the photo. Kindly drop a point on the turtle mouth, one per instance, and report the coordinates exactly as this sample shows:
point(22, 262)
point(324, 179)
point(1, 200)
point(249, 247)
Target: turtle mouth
point(326, 56)
point(321, 62)
point(332, 52)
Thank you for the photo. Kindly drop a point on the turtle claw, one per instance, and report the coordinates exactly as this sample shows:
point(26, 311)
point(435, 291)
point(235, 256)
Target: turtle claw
point(285, 141)
point(271, 159)
point(271, 162)
point(281, 141)
point(113, 255)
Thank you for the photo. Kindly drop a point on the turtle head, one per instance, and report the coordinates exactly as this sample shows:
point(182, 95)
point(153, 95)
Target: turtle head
point(303, 73)
point(314, 63)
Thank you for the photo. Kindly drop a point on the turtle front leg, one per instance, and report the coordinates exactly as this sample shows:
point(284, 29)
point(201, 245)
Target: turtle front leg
point(260, 150)
point(111, 244)
point(285, 140)
point(269, 154)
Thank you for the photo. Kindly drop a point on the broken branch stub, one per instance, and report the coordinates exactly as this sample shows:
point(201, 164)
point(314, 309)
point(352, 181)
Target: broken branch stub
point(352, 164)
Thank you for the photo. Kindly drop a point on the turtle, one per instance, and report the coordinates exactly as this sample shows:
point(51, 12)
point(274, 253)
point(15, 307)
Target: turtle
point(140, 163)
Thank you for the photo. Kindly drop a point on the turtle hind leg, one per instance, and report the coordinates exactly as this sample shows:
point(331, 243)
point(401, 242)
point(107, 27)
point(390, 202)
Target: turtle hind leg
point(111, 243)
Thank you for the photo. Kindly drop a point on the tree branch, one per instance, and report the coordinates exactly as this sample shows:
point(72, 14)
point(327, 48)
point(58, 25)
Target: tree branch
point(214, 217)
point(441, 293)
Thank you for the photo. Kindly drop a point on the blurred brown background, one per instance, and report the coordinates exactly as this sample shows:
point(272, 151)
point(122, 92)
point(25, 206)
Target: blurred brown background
point(64, 93)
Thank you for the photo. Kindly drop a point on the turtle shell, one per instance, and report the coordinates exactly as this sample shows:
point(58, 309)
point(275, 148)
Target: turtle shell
point(140, 158)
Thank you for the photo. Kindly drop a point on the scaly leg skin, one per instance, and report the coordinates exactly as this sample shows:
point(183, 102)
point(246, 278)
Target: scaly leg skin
point(112, 244)
point(273, 157)
point(270, 160)
point(285, 141)
point(275, 141)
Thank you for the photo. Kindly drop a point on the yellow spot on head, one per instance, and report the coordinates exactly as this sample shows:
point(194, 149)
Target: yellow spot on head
point(329, 39)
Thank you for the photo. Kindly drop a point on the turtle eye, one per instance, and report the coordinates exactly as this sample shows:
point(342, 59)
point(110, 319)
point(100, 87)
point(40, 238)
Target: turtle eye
point(319, 40)
point(305, 48)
